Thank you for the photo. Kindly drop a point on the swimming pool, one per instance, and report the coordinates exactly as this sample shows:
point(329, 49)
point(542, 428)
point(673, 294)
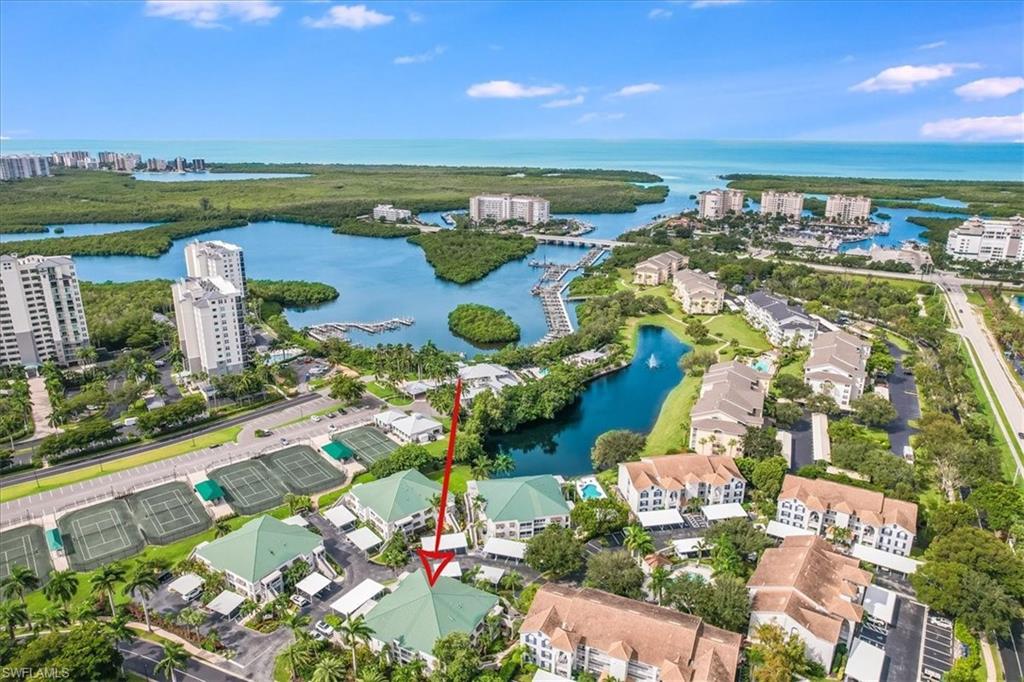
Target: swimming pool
point(762, 366)
point(591, 491)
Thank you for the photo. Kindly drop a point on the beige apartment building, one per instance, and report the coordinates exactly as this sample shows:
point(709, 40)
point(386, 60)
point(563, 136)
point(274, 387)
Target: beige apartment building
point(789, 204)
point(210, 318)
point(844, 209)
point(837, 366)
point(502, 207)
point(717, 203)
point(658, 269)
point(731, 401)
point(671, 481)
point(697, 293)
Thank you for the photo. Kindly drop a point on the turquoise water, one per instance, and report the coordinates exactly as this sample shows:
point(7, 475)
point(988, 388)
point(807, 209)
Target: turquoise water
point(378, 279)
point(900, 230)
point(76, 230)
point(761, 366)
point(628, 399)
point(213, 177)
point(590, 492)
point(1020, 302)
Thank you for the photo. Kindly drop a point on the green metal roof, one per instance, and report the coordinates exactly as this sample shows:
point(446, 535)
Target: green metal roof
point(54, 540)
point(209, 490)
point(336, 450)
point(258, 548)
point(397, 496)
point(523, 498)
point(416, 615)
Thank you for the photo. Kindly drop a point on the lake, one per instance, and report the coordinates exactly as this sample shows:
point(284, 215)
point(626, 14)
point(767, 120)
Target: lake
point(76, 230)
point(628, 399)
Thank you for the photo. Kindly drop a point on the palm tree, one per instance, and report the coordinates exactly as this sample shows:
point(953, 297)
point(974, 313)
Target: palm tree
point(481, 468)
point(296, 622)
point(300, 655)
point(512, 581)
point(660, 579)
point(144, 583)
point(330, 668)
point(503, 464)
point(104, 582)
point(12, 615)
point(20, 581)
point(174, 657)
point(221, 527)
point(118, 628)
point(371, 675)
point(191, 618)
point(62, 587)
point(354, 631)
point(84, 612)
point(638, 541)
point(54, 617)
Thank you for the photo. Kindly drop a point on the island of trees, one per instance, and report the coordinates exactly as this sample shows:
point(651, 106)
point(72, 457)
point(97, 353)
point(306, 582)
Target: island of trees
point(463, 256)
point(482, 324)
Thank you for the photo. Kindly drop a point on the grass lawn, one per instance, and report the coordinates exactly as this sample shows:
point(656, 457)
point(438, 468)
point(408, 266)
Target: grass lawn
point(327, 499)
point(729, 326)
point(671, 432)
point(172, 554)
point(388, 393)
point(907, 284)
point(333, 408)
point(460, 474)
point(991, 415)
point(794, 367)
point(12, 492)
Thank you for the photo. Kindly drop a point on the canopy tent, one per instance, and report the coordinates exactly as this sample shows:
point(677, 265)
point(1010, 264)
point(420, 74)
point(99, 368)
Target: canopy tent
point(878, 557)
point(880, 603)
point(338, 451)
point(313, 584)
point(452, 570)
point(340, 516)
point(449, 541)
point(363, 538)
point(354, 599)
point(865, 662)
point(53, 540)
point(511, 549)
point(186, 584)
point(226, 603)
point(491, 574)
point(687, 546)
point(209, 490)
point(296, 520)
point(660, 518)
point(721, 512)
point(784, 530)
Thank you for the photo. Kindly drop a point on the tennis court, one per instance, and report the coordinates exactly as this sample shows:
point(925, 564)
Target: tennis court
point(169, 512)
point(249, 487)
point(302, 470)
point(25, 546)
point(100, 534)
point(368, 442)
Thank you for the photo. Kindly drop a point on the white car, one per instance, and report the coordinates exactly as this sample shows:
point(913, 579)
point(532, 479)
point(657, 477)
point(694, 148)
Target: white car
point(331, 427)
point(324, 629)
point(315, 418)
point(299, 600)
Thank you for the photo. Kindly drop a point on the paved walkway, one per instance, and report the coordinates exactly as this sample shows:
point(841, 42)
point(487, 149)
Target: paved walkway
point(41, 407)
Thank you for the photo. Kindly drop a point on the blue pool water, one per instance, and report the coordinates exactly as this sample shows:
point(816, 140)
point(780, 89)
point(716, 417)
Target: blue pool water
point(761, 366)
point(590, 492)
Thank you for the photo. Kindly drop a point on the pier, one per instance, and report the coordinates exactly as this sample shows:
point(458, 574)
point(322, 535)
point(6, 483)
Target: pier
point(576, 241)
point(550, 287)
point(337, 330)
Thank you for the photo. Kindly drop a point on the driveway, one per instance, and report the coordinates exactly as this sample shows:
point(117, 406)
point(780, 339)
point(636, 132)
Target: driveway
point(803, 443)
point(903, 396)
point(141, 657)
point(903, 642)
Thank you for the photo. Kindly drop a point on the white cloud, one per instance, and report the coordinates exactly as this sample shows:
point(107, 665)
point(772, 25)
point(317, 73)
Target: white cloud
point(594, 116)
point(637, 89)
point(211, 13)
point(932, 46)
point(905, 78)
point(991, 88)
point(978, 128)
point(427, 56)
point(511, 90)
point(562, 103)
point(355, 17)
point(704, 4)
point(659, 13)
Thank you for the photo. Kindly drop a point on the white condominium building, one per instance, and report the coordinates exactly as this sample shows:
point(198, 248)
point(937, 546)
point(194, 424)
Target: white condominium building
point(837, 366)
point(209, 315)
point(21, 166)
point(390, 213)
point(870, 518)
point(844, 209)
point(670, 482)
point(782, 323)
point(502, 207)
point(790, 204)
point(216, 259)
point(571, 630)
point(41, 312)
point(984, 239)
point(718, 203)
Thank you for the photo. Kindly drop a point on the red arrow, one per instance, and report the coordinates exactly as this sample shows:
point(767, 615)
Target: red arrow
point(435, 560)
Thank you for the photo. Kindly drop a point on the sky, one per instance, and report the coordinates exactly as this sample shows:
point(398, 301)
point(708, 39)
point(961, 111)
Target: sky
point(704, 69)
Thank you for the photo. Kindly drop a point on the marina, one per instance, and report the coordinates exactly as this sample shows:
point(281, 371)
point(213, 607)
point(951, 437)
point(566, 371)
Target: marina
point(339, 330)
point(550, 287)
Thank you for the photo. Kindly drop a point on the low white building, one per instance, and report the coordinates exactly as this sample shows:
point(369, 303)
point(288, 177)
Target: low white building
point(484, 376)
point(401, 502)
point(390, 214)
point(409, 428)
point(671, 481)
point(520, 507)
point(837, 366)
point(866, 516)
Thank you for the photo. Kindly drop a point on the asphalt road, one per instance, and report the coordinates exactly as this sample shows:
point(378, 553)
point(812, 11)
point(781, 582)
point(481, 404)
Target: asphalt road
point(141, 657)
point(1011, 651)
point(903, 396)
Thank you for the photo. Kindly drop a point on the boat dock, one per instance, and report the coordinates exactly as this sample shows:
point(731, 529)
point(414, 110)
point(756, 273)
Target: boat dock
point(550, 287)
point(337, 330)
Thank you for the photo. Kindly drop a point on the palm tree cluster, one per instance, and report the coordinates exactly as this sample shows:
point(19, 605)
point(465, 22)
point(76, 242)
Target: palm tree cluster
point(395, 362)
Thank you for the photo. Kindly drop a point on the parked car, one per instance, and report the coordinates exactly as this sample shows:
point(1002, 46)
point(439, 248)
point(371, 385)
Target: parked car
point(331, 427)
point(299, 600)
point(315, 418)
point(131, 421)
point(332, 415)
point(284, 441)
point(323, 628)
point(318, 636)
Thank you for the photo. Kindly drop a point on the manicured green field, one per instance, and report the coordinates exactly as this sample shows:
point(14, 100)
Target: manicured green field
point(728, 326)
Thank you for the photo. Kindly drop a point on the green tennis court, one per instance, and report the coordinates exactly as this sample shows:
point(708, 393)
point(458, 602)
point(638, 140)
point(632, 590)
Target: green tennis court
point(249, 487)
point(25, 546)
point(100, 534)
point(368, 442)
point(169, 512)
point(302, 470)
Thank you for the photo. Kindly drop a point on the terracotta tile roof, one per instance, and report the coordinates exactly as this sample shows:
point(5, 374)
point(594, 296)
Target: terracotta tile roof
point(869, 506)
point(673, 472)
point(681, 645)
point(816, 586)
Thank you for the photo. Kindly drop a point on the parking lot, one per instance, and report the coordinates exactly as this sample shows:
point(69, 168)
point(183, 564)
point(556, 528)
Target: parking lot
point(901, 641)
point(937, 656)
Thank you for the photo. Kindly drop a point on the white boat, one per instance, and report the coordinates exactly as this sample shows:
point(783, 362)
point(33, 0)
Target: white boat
point(652, 362)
